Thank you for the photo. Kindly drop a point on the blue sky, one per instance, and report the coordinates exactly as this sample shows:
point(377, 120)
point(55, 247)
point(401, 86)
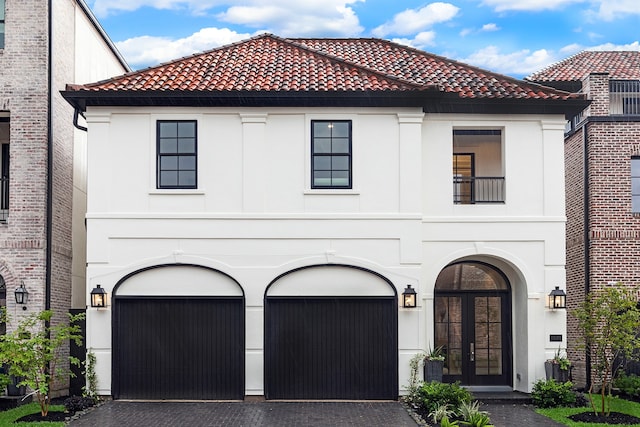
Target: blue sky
point(513, 37)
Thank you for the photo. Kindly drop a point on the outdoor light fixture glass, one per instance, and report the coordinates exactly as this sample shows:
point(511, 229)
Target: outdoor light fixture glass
point(409, 297)
point(22, 295)
point(98, 297)
point(557, 299)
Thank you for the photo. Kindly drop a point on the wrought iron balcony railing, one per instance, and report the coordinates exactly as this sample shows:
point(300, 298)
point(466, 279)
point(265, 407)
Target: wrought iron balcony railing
point(476, 189)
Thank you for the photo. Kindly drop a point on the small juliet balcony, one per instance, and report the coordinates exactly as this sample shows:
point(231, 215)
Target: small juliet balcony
point(478, 170)
point(469, 190)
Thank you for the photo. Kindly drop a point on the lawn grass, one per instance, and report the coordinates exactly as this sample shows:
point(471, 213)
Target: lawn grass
point(617, 405)
point(7, 418)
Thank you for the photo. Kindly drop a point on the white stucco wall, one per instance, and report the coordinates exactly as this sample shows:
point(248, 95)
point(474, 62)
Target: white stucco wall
point(254, 216)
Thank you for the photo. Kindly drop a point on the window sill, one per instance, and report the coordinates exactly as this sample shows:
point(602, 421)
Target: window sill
point(177, 191)
point(333, 192)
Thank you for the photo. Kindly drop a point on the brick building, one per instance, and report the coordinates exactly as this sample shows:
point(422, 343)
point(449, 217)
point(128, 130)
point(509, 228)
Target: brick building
point(43, 45)
point(602, 156)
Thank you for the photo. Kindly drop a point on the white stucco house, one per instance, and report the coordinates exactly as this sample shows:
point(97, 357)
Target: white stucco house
point(255, 213)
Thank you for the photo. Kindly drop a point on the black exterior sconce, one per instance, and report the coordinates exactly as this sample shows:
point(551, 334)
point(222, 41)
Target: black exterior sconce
point(557, 299)
point(409, 297)
point(98, 297)
point(22, 296)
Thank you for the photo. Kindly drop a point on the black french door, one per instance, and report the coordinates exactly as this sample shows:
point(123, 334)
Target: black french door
point(474, 328)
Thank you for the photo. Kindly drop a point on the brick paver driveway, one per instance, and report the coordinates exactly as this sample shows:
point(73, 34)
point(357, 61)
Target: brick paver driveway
point(282, 414)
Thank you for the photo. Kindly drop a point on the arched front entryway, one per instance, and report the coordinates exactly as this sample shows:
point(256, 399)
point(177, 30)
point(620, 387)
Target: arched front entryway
point(178, 333)
point(473, 324)
point(331, 332)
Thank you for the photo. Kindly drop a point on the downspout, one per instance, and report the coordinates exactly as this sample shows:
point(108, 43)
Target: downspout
point(587, 240)
point(77, 113)
point(49, 220)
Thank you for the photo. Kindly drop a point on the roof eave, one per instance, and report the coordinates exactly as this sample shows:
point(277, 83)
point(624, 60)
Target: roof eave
point(81, 99)
point(567, 107)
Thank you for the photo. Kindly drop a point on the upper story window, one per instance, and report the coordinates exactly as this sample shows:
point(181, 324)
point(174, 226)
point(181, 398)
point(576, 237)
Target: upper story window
point(1, 24)
point(478, 174)
point(331, 154)
point(635, 184)
point(177, 157)
point(624, 97)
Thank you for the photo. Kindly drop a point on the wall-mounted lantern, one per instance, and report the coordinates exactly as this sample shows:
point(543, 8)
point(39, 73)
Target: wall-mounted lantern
point(557, 299)
point(98, 297)
point(409, 297)
point(22, 296)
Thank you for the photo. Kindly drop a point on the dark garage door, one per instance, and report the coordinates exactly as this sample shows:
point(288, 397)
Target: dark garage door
point(187, 348)
point(331, 348)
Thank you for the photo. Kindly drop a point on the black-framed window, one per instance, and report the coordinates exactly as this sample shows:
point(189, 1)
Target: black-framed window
point(331, 154)
point(1, 24)
point(635, 184)
point(177, 154)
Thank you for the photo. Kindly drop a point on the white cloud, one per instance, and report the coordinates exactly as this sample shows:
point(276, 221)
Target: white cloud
point(607, 10)
point(531, 5)
point(283, 17)
point(420, 41)
point(517, 63)
point(524, 62)
point(610, 46)
point(612, 9)
point(148, 51)
point(304, 18)
point(490, 27)
point(412, 21)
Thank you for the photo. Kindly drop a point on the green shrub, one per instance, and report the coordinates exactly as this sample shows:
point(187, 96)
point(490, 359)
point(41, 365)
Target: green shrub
point(473, 416)
point(435, 394)
point(551, 394)
point(628, 384)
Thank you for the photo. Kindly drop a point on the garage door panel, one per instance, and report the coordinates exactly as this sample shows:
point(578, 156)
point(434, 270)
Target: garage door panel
point(331, 348)
point(190, 348)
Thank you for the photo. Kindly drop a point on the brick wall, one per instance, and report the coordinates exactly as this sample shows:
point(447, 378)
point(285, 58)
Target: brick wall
point(23, 77)
point(614, 231)
point(574, 178)
point(25, 99)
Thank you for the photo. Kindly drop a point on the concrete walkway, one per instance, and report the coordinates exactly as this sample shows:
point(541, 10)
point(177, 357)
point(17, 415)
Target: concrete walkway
point(282, 414)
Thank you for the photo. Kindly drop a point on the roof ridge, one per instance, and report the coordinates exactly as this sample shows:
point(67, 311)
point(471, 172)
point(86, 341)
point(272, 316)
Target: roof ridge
point(351, 63)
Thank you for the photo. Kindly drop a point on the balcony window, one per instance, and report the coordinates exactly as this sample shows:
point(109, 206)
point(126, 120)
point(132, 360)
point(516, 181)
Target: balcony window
point(624, 97)
point(478, 175)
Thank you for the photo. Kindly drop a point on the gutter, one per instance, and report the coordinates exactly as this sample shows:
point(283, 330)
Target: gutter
point(76, 113)
point(587, 240)
point(49, 219)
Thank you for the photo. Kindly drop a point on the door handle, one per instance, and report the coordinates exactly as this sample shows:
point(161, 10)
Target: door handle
point(472, 354)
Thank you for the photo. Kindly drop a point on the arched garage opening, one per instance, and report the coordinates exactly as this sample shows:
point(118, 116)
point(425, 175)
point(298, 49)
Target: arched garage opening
point(331, 332)
point(178, 333)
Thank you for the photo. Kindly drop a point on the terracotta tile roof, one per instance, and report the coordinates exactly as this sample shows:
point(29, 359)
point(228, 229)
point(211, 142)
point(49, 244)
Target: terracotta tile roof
point(272, 64)
point(428, 69)
point(623, 65)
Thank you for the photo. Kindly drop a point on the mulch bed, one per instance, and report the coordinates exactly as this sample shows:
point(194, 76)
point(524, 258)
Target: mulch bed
point(613, 418)
point(52, 416)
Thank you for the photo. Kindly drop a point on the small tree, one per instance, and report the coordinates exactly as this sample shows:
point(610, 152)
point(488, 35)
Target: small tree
point(33, 352)
point(609, 320)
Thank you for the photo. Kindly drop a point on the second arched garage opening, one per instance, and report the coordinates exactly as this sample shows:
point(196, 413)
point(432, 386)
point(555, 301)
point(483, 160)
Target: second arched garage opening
point(178, 333)
point(331, 332)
